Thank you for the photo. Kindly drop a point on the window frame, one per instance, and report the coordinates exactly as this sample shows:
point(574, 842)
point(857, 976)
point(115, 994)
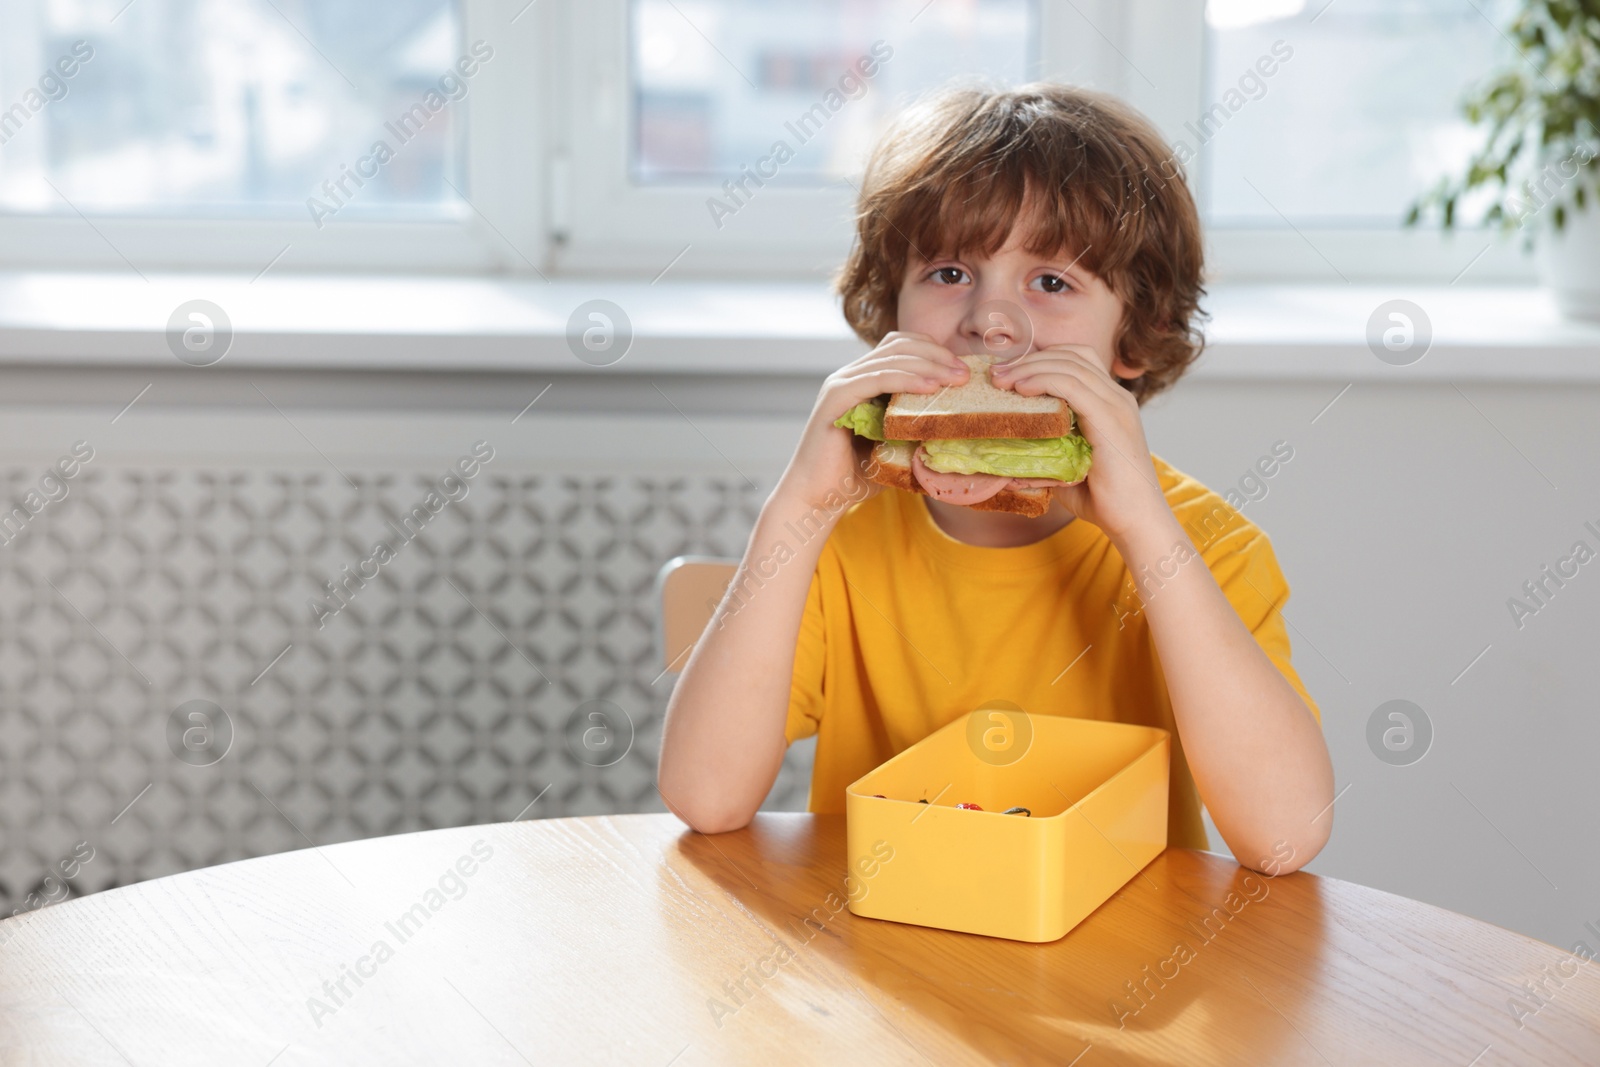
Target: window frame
point(607, 225)
point(550, 190)
point(501, 230)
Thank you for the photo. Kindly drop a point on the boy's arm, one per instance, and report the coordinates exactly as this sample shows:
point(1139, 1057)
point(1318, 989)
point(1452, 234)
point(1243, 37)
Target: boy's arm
point(1256, 752)
point(723, 739)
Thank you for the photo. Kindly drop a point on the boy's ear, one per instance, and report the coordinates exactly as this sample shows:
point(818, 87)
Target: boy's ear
point(1125, 370)
point(1120, 367)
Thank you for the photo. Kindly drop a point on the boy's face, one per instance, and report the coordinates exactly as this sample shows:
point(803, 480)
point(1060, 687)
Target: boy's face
point(971, 305)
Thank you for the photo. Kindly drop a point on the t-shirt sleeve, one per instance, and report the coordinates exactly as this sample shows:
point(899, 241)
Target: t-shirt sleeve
point(805, 691)
point(1250, 577)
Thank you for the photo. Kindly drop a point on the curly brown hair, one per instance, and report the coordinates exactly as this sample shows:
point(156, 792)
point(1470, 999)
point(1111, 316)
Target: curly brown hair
point(958, 168)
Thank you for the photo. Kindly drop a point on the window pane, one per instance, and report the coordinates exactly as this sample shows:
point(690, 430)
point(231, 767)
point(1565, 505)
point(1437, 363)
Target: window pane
point(243, 107)
point(718, 83)
point(1359, 118)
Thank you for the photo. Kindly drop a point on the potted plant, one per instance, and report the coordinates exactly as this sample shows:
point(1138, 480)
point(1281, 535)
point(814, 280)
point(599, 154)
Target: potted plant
point(1543, 113)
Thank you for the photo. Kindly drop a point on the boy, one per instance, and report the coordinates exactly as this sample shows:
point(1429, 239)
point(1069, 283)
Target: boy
point(913, 611)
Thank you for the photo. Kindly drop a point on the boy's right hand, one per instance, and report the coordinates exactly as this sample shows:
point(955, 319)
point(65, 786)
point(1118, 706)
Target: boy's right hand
point(829, 458)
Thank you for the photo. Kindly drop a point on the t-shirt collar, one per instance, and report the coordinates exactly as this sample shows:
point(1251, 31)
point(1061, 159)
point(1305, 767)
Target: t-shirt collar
point(1072, 540)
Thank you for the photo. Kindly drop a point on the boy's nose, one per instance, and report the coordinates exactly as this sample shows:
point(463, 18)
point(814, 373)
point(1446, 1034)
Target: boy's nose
point(998, 330)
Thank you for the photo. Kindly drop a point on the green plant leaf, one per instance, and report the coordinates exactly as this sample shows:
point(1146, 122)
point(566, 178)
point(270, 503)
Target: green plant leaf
point(1538, 110)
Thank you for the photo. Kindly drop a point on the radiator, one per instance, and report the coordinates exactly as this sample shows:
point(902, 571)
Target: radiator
point(235, 632)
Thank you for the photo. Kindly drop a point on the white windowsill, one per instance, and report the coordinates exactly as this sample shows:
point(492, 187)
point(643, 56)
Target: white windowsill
point(344, 322)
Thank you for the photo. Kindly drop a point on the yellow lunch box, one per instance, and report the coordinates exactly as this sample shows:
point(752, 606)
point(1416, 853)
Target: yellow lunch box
point(1098, 796)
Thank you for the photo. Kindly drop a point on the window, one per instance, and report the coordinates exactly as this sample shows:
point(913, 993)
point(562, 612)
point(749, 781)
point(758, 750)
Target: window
point(704, 91)
point(604, 136)
point(1358, 115)
point(1305, 173)
point(182, 107)
point(151, 134)
point(716, 84)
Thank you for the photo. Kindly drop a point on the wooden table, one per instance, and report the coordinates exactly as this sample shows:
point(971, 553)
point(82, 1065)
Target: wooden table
point(627, 940)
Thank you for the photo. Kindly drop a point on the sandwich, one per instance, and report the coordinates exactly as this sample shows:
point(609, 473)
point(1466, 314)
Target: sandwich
point(975, 444)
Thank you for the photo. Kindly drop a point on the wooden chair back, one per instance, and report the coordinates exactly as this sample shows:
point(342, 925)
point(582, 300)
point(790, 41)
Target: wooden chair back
point(691, 587)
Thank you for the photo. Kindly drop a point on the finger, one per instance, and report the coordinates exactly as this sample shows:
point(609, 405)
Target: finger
point(1049, 351)
point(1091, 377)
point(934, 357)
point(913, 361)
point(1096, 413)
point(1069, 384)
point(1088, 352)
point(1054, 358)
point(868, 386)
point(1081, 390)
point(919, 344)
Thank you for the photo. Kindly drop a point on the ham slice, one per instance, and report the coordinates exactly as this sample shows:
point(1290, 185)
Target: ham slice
point(963, 489)
point(969, 489)
point(1039, 483)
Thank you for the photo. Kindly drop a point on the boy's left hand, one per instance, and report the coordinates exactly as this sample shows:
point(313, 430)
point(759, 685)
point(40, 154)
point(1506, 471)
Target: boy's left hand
point(1121, 493)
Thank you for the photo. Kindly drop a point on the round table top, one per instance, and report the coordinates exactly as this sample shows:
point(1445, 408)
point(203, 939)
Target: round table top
point(631, 940)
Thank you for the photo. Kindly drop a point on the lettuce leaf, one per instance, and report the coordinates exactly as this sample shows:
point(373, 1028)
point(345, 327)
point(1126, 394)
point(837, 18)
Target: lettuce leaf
point(1064, 458)
point(866, 419)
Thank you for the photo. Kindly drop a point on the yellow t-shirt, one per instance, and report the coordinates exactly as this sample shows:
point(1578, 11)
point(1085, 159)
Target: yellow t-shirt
point(906, 629)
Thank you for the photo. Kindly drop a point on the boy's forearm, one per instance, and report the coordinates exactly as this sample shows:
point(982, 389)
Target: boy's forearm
point(723, 739)
point(1256, 752)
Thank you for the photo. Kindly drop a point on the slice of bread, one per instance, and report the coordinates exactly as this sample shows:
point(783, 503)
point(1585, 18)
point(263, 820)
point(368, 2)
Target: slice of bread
point(978, 408)
point(891, 466)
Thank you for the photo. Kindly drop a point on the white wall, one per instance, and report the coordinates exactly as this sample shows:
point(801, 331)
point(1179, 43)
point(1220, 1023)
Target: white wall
point(1404, 523)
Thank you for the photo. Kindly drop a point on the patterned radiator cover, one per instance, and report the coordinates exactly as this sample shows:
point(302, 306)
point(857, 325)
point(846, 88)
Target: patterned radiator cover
point(493, 665)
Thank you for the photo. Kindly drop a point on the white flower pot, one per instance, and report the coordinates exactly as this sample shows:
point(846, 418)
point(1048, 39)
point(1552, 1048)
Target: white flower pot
point(1569, 261)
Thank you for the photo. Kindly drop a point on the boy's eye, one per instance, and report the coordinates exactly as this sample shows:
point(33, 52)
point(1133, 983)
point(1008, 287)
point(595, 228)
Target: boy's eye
point(1052, 283)
point(949, 275)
